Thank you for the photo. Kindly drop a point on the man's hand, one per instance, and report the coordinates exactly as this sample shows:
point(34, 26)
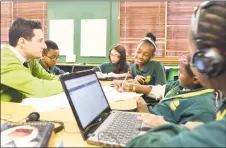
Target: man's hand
point(140, 79)
point(142, 106)
point(152, 120)
point(192, 125)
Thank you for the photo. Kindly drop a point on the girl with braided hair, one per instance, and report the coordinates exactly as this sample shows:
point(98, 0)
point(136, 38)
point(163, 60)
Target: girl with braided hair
point(207, 45)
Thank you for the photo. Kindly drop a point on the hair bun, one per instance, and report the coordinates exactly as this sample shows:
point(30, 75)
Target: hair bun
point(150, 35)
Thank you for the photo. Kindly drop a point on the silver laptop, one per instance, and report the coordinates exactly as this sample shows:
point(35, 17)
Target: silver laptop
point(98, 124)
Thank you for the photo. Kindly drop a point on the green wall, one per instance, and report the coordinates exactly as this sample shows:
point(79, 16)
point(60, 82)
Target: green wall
point(78, 10)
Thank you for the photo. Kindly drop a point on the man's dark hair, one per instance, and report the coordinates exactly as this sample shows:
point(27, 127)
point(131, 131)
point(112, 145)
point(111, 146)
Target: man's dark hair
point(22, 28)
point(50, 45)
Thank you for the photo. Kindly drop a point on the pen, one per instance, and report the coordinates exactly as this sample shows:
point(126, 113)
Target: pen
point(124, 81)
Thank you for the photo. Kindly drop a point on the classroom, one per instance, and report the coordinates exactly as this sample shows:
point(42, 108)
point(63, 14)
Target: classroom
point(121, 73)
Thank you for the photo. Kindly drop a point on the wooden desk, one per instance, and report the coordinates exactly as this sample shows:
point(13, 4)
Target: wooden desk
point(14, 111)
point(71, 135)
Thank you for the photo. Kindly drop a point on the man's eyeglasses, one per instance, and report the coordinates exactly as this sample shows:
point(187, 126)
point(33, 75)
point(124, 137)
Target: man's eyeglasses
point(53, 58)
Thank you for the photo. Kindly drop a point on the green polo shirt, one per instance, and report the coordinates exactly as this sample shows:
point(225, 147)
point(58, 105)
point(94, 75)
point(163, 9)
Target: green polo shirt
point(108, 67)
point(52, 70)
point(153, 71)
point(212, 134)
point(180, 106)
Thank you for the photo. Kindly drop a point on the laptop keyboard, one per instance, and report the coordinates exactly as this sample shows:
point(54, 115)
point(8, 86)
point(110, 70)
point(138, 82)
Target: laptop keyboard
point(124, 127)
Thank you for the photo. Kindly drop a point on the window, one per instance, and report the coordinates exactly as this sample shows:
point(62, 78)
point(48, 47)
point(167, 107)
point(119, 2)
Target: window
point(168, 21)
point(138, 18)
point(6, 20)
point(29, 10)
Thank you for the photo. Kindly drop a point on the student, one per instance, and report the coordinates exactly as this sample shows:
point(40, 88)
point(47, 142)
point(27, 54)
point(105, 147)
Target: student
point(144, 70)
point(117, 67)
point(21, 74)
point(49, 58)
point(207, 46)
point(180, 101)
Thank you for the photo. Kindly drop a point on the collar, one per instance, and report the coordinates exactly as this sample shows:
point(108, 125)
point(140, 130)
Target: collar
point(184, 89)
point(17, 54)
point(41, 63)
point(146, 67)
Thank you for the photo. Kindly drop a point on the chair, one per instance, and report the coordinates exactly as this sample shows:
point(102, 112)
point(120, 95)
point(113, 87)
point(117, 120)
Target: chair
point(173, 74)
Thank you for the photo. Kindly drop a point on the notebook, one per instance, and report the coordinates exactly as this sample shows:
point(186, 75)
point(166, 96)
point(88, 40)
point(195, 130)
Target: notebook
point(98, 124)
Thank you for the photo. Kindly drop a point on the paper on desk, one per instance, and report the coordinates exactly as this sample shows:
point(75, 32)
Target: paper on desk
point(47, 103)
point(108, 89)
point(60, 100)
point(113, 95)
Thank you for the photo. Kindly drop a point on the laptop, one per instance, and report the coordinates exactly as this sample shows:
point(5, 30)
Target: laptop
point(98, 124)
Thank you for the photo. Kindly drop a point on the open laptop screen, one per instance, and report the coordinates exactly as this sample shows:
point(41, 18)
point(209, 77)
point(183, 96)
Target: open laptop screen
point(87, 97)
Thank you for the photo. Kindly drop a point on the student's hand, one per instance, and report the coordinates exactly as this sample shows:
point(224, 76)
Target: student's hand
point(190, 125)
point(152, 120)
point(140, 79)
point(105, 75)
point(117, 83)
point(112, 75)
point(142, 106)
point(128, 85)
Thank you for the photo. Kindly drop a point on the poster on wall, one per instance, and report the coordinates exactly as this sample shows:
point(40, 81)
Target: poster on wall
point(62, 32)
point(93, 37)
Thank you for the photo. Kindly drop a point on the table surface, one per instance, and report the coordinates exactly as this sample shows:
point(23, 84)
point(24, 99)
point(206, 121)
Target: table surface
point(71, 135)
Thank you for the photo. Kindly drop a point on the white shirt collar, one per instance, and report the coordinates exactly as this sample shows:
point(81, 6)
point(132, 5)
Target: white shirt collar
point(184, 89)
point(17, 54)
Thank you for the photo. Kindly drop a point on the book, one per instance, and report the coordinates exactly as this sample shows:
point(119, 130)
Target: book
point(26, 134)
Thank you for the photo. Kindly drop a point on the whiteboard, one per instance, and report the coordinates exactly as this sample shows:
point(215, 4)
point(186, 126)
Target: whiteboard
point(62, 33)
point(93, 37)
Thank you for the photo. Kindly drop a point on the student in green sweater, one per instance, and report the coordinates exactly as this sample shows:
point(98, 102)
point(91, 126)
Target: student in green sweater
point(207, 46)
point(21, 74)
point(144, 70)
point(50, 56)
point(180, 101)
point(117, 67)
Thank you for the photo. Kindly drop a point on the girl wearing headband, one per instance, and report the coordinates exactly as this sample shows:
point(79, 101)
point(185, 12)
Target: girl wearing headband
point(144, 70)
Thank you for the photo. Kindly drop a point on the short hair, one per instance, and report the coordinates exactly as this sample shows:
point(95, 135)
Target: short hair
point(22, 28)
point(50, 45)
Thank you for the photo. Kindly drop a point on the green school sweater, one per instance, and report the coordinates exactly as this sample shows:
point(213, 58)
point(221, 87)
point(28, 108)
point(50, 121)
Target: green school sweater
point(181, 106)
point(108, 67)
point(153, 72)
point(212, 134)
point(19, 82)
